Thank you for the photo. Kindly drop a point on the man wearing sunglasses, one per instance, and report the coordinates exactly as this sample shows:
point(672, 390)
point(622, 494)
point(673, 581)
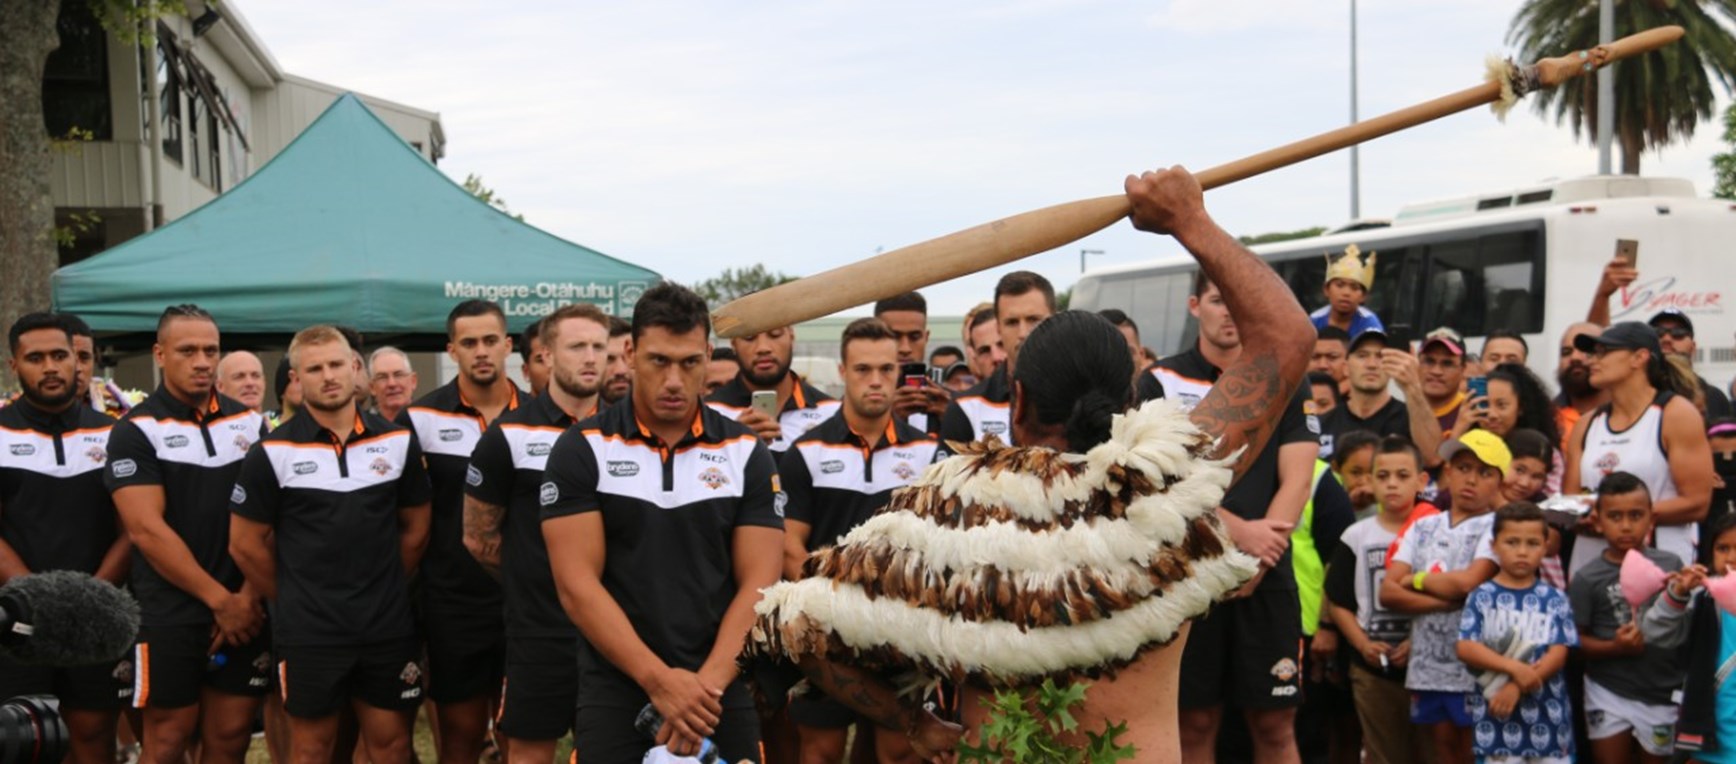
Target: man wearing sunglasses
point(1676, 337)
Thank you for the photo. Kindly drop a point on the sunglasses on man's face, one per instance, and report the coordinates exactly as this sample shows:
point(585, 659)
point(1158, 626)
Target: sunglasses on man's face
point(1675, 332)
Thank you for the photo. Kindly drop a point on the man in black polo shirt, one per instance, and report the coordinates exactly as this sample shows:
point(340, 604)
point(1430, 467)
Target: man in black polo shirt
point(330, 515)
point(765, 365)
point(460, 602)
point(503, 529)
point(617, 375)
point(1373, 365)
point(1022, 301)
point(531, 350)
point(921, 404)
point(836, 477)
point(663, 520)
point(55, 514)
point(1245, 652)
point(202, 660)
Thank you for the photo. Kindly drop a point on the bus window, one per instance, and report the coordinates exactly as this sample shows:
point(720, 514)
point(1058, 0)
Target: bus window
point(1491, 282)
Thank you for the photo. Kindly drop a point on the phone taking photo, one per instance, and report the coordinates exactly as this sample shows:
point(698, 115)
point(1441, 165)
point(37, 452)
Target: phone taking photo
point(913, 374)
point(1399, 335)
point(766, 402)
point(1478, 387)
point(1629, 250)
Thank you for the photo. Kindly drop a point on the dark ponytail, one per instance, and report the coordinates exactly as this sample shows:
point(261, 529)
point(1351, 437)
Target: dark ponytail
point(1076, 372)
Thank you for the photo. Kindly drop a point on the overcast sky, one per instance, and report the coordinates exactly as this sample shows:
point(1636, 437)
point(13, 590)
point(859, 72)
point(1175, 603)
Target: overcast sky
point(691, 136)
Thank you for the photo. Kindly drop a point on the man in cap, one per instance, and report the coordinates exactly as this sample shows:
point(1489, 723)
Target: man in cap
point(1676, 337)
point(1374, 364)
point(1442, 358)
point(1349, 276)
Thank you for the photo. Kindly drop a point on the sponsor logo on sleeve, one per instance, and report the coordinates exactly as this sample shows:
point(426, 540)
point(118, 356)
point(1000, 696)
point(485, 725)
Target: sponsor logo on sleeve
point(124, 468)
point(472, 475)
point(779, 500)
point(549, 494)
point(238, 495)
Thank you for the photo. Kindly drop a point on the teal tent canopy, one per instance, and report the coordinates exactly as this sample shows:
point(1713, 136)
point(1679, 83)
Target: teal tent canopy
point(347, 225)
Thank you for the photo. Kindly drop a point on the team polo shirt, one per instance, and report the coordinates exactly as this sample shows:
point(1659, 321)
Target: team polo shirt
point(507, 471)
point(981, 411)
point(447, 428)
point(836, 479)
point(1187, 377)
point(54, 510)
point(332, 503)
point(194, 455)
point(669, 517)
point(806, 408)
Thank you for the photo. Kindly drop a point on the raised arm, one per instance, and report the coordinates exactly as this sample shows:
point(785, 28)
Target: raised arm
point(1617, 274)
point(1245, 404)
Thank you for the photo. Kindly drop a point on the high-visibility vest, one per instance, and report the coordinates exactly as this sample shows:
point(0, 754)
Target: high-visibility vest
point(1305, 558)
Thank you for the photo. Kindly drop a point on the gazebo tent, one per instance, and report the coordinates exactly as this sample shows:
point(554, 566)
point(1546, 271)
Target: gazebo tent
point(347, 225)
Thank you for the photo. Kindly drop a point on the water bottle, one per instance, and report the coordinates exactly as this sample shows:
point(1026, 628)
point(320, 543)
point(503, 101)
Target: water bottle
point(649, 722)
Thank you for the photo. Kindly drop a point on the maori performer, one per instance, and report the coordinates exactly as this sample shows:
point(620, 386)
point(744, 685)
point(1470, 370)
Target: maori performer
point(1083, 552)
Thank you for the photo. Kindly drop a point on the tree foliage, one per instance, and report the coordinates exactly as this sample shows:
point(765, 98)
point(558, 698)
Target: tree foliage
point(739, 282)
point(1724, 164)
point(1660, 96)
point(486, 195)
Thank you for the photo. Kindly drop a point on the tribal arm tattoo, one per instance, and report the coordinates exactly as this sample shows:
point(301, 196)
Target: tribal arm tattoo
point(862, 692)
point(482, 532)
point(1243, 408)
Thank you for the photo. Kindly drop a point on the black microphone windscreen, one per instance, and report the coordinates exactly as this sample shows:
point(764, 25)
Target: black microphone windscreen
point(62, 618)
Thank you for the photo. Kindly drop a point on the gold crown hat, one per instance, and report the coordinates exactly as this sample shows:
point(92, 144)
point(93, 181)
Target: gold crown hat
point(1351, 266)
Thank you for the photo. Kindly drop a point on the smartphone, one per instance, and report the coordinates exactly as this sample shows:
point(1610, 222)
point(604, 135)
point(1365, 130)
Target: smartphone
point(1629, 250)
point(1400, 336)
point(913, 374)
point(766, 402)
point(1478, 387)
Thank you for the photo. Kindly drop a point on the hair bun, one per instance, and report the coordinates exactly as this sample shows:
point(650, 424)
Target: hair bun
point(1089, 422)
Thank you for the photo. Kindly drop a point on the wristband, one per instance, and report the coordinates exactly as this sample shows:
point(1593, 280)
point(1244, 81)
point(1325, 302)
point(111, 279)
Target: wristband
point(1417, 580)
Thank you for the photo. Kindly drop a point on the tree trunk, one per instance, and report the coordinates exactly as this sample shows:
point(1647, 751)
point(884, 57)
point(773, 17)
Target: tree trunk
point(28, 254)
point(1632, 146)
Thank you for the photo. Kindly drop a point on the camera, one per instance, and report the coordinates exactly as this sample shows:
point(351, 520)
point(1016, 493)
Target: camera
point(31, 731)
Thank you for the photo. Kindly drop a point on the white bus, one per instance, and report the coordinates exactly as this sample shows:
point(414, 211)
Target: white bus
point(1527, 260)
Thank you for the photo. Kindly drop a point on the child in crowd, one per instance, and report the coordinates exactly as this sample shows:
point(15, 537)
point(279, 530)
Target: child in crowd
point(1527, 480)
point(1379, 637)
point(1628, 683)
point(1517, 625)
point(1353, 465)
point(1686, 615)
point(1440, 560)
point(1721, 434)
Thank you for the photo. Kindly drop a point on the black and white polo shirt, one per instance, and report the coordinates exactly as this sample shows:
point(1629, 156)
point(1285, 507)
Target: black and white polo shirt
point(806, 408)
point(837, 479)
point(54, 510)
point(983, 410)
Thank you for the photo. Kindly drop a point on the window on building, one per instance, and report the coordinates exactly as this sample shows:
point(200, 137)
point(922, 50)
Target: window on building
point(169, 81)
point(75, 80)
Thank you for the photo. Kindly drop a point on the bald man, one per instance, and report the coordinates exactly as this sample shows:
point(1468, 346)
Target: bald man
point(241, 376)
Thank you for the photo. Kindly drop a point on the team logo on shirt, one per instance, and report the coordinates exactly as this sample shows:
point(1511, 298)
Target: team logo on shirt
point(831, 466)
point(904, 471)
point(1608, 462)
point(713, 478)
point(175, 441)
point(411, 673)
point(123, 671)
point(124, 468)
point(242, 443)
point(623, 469)
point(96, 454)
point(1284, 670)
point(549, 494)
point(22, 449)
point(381, 467)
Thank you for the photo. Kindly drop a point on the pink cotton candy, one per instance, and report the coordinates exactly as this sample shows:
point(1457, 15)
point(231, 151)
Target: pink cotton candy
point(1641, 579)
point(1723, 591)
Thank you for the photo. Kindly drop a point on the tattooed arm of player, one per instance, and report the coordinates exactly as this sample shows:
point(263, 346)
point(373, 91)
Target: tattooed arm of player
point(482, 532)
point(1248, 399)
point(878, 702)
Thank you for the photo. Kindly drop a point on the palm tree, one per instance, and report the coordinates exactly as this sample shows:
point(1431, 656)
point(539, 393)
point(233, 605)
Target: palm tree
point(1660, 97)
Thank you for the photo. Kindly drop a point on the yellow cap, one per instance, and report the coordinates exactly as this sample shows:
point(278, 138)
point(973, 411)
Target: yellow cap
point(1488, 447)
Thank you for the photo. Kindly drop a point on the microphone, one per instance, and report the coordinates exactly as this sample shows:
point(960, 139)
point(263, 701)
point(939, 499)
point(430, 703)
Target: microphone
point(63, 618)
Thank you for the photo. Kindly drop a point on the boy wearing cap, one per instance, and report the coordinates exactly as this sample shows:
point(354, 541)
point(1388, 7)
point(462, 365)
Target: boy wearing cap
point(1349, 276)
point(1439, 561)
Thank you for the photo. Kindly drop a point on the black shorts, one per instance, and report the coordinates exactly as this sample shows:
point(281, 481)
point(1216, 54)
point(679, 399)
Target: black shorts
point(106, 686)
point(606, 735)
point(541, 690)
point(173, 663)
point(466, 657)
point(1247, 652)
point(316, 682)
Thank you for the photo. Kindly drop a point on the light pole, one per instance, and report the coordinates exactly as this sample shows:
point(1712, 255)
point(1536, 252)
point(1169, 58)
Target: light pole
point(1355, 159)
point(1083, 253)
